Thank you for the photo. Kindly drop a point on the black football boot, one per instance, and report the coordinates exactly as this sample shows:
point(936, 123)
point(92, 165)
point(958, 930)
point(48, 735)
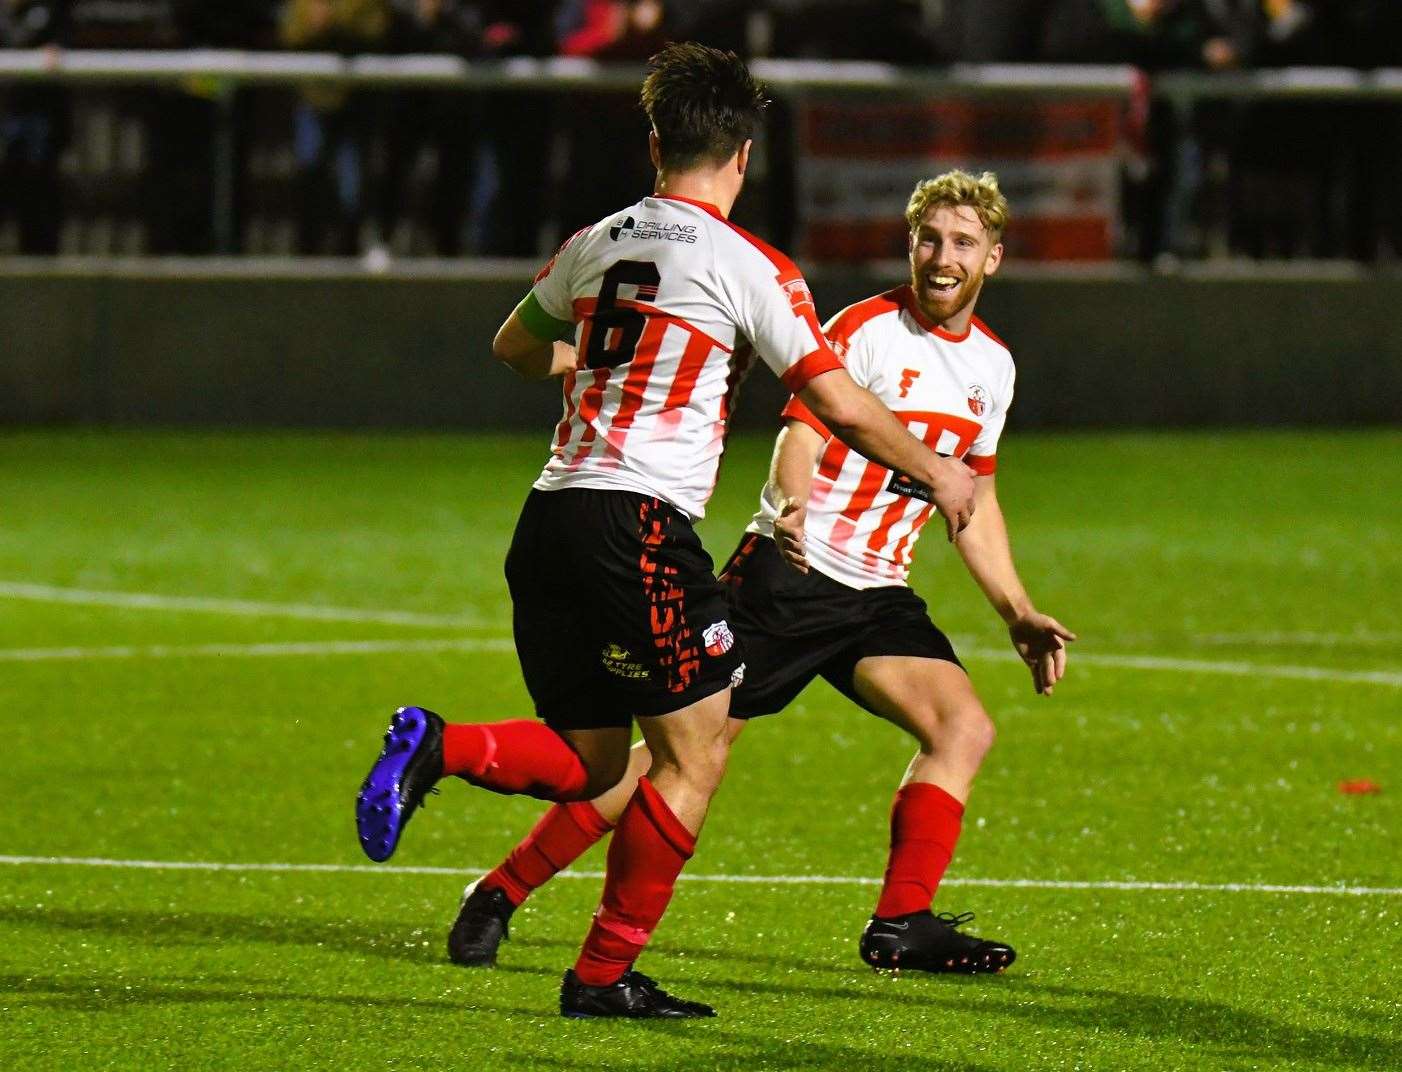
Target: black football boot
point(483, 923)
point(634, 996)
point(922, 941)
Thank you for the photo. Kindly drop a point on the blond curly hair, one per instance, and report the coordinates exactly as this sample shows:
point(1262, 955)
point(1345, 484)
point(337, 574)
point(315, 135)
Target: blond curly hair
point(955, 188)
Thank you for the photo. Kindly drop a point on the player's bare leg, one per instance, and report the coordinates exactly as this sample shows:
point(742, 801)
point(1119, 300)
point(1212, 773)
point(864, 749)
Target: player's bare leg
point(562, 835)
point(655, 836)
point(934, 701)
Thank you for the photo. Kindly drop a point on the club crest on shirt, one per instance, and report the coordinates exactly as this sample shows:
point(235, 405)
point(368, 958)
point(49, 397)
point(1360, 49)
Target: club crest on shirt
point(718, 638)
point(797, 289)
point(978, 400)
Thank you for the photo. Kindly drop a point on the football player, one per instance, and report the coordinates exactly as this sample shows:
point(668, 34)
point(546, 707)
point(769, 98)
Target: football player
point(650, 316)
point(819, 588)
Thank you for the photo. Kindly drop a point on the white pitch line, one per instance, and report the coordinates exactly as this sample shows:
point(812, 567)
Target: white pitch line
point(46, 593)
point(1238, 669)
point(310, 647)
point(504, 644)
point(749, 880)
point(1311, 639)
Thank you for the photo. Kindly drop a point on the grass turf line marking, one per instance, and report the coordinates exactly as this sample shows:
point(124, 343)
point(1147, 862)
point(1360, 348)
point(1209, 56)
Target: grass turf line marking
point(46, 593)
point(749, 880)
point(294, 648)
point(504, 644)
point(316, 612)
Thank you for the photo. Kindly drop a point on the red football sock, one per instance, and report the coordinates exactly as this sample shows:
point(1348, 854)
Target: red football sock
point(520, 756)
point(649, 848)
point(557, 841)
point(925, 823)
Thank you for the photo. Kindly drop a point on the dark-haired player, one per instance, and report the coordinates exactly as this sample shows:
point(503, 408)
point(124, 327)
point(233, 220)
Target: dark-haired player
point(850, 525)
point(617, 613)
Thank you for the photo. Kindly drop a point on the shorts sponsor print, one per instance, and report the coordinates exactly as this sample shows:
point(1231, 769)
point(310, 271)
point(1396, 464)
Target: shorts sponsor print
point(616, 611)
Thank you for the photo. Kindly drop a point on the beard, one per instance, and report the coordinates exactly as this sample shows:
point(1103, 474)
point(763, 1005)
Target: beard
point(941, 305)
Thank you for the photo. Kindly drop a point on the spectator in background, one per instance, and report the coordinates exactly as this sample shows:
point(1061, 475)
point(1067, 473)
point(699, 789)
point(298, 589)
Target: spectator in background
point(606, 164)
point(34, 128)
point(444, 121)
point(332, 123)
point(518, 127)
point(893, 31)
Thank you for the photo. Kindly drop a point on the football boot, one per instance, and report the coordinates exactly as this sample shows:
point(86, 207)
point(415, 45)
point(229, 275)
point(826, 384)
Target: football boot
point(923, 941)
point(409, 766)
point(483, 923)
point(634, 996)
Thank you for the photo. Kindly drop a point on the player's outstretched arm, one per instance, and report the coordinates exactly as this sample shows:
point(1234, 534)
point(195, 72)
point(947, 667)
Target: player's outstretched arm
point(858, 418)
point(530, 342)
point(796, 454)
point(1039, 638)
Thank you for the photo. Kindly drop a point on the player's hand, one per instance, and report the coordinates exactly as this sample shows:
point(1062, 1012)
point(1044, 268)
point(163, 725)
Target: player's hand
point(563, 358)
point(788, 533)
point(1041, 642)
point(953, 494)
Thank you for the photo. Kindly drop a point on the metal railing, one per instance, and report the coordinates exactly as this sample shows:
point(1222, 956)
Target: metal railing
point(221, 74)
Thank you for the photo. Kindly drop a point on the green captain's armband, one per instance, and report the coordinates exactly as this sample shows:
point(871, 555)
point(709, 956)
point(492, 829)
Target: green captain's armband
point(541, 324)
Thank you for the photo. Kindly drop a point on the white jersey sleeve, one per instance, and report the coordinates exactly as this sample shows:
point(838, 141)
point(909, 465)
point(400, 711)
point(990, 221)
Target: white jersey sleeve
point(985, 446)
point(552, 287)
point(774, 309)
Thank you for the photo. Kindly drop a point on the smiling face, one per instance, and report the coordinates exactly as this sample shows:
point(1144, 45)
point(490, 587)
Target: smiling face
point(950, 254)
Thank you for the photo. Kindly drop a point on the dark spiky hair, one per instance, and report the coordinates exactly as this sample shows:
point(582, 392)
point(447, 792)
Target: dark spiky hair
point(703, 103)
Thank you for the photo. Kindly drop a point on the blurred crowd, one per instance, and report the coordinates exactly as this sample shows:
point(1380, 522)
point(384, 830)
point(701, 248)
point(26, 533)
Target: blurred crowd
point(504, 174)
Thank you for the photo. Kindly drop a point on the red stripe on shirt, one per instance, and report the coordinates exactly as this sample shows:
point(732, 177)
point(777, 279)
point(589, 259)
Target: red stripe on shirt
point(797, 411)
point(833, 458)
point(900, 549)
point(873, 477)
point(562, 430)
point(889, 517)
point(589, 405)
point(800, 375)
point(635, 385)
point(982, 464)
point(844, 325)
point(740, 363)
point(583, 309)
point(698, 349)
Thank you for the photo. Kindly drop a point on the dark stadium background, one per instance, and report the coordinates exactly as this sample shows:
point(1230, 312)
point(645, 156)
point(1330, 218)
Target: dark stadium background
point(258, 472)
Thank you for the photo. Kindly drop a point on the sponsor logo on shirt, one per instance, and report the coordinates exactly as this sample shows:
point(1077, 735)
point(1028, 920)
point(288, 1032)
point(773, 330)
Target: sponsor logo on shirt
point(651, 230)
point(618, 662)
point(912, 489)
point(978, 400)
point(737, 676)
point(718, 638)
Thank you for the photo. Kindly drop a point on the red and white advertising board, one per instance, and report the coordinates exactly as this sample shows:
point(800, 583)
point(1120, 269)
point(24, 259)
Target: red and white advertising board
point(1058, 163)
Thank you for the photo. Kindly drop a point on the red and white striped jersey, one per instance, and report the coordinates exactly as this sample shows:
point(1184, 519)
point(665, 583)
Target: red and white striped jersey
point(669, 302)
point(951, 391)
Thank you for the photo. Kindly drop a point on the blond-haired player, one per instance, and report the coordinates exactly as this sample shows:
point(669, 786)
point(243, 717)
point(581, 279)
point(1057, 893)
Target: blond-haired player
point(819, 587)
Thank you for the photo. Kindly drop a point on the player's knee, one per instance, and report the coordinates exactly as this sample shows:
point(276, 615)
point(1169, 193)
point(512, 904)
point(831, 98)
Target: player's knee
point(966, 730)
point(975, 732)
point(703, 766)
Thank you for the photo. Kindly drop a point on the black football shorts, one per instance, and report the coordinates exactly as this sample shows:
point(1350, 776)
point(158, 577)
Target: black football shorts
point(616, 609)
point(798, 626)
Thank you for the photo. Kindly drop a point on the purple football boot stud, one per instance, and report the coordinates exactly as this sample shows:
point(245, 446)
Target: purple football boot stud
point(408, 767)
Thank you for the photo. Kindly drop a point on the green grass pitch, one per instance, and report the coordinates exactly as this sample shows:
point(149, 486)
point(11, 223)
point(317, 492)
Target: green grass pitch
point(1236, 595)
